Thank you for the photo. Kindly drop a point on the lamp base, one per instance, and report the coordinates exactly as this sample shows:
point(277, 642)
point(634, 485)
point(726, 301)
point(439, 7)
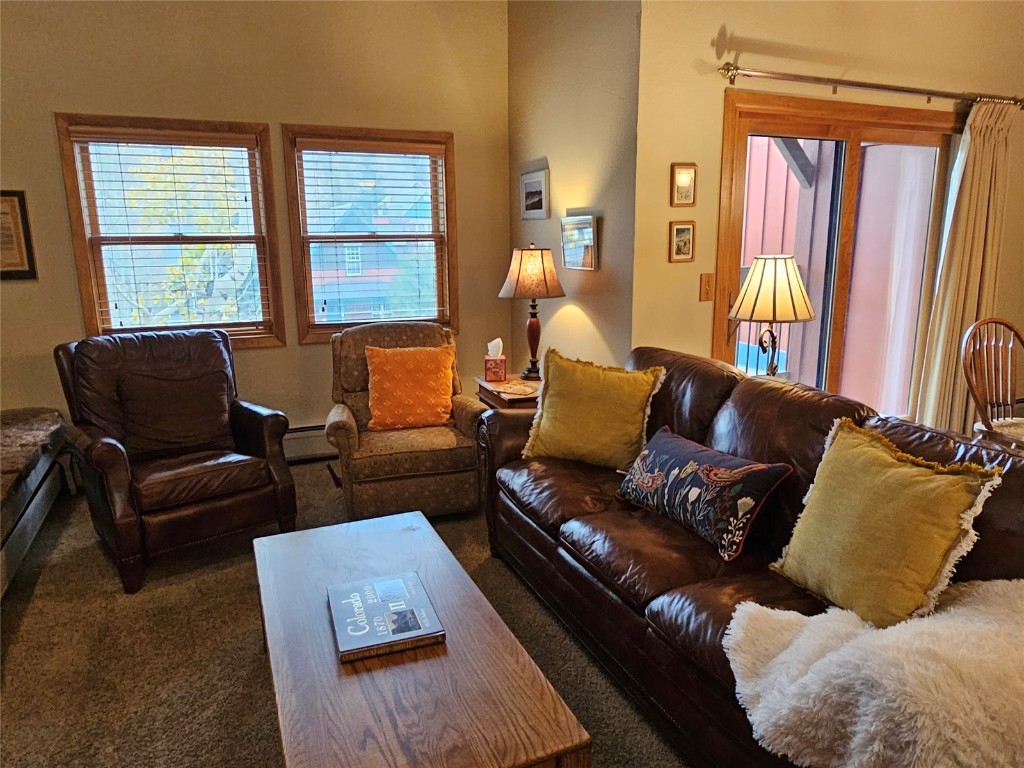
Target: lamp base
point(532, 372)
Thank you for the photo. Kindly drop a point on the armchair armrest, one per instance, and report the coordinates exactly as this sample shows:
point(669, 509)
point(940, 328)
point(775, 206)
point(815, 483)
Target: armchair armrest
point(342, 431)
point(466, 411)
point(107, 480)
point(260, 431)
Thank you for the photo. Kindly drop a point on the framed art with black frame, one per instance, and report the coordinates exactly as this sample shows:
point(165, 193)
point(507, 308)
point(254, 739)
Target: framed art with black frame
point(17, 262)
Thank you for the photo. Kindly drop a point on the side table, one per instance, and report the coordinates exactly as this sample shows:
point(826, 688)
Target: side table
point(497, 394)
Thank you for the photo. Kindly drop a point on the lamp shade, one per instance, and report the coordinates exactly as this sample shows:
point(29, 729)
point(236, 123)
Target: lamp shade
point(773, 292)
point(531, 275)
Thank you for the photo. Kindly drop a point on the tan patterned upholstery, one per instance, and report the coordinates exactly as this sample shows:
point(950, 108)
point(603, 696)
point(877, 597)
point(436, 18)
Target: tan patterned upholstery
point(437, 470)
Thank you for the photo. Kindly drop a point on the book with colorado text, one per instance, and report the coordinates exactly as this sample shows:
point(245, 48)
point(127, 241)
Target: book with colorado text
point(381, 615)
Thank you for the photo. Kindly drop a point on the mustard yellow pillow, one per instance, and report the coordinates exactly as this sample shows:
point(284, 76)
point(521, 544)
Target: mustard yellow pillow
point(410, 386)
point(881, 531)
point(591, 413)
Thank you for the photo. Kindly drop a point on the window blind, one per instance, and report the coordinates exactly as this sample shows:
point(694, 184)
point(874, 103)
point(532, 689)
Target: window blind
point(175, 229)
point(374, 229)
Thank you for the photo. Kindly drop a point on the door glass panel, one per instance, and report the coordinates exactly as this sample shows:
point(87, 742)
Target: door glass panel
point(890, 245)
point(792, 207)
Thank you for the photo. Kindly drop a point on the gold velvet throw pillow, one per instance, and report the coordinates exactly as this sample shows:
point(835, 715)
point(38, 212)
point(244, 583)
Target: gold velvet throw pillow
point(410, 386)
point(591, 413)
point(881, 531)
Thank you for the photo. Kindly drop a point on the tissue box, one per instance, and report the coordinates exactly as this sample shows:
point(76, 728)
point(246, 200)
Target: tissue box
point(494, 368)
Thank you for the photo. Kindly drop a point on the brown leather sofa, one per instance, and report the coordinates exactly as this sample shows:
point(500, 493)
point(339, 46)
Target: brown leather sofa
point(168, 455)
point(652, 600)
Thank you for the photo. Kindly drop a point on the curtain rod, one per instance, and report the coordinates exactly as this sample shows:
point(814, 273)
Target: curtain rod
point(731, 71)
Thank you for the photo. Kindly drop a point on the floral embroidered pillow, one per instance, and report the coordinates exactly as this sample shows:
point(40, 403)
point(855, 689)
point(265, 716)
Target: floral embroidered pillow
point(714, 494)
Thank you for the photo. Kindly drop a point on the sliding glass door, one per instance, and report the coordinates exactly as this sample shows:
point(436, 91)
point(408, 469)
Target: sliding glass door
point(853, 197)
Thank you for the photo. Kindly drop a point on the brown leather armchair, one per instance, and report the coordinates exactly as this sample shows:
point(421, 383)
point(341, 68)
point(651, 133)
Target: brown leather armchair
point(168, 455)
point(437, 470)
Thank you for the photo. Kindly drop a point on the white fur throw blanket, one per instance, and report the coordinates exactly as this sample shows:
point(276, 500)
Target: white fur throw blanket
point(942, 690)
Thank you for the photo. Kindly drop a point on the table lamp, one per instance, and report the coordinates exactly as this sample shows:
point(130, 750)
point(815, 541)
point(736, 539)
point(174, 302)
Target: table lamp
point(532, 276)
point(772, 293)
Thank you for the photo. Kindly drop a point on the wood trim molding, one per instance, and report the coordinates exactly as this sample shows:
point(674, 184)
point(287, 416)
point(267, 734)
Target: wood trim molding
point(750, 112)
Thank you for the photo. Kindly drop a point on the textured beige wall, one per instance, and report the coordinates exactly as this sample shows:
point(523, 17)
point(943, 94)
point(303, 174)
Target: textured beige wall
point(427, 66)
point(572, 108)
point(964, 46)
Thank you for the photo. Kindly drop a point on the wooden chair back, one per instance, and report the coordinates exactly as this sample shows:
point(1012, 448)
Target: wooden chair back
point(992, 355)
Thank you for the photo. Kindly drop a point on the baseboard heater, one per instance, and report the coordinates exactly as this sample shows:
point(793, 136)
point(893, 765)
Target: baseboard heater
point(305, 443)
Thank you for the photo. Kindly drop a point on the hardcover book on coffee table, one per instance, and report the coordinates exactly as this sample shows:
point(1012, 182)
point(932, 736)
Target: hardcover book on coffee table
point(382, 615)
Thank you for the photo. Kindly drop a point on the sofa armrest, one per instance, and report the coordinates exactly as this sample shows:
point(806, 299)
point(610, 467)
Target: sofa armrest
point(502, 434)
point(466, 412)
point(342, 431)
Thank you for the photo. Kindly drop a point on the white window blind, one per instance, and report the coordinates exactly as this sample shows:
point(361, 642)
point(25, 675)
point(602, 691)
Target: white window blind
point(373, 227)
point(175, 229)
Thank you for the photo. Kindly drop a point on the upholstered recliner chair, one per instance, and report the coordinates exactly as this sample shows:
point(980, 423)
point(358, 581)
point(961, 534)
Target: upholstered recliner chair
point(168, 455)
point(435, 469)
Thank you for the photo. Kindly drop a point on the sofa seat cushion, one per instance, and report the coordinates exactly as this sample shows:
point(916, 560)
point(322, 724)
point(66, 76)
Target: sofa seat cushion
point(638, 554)
point(416, 451)
point(171, 482)
point(552, 491)
point(693, 619)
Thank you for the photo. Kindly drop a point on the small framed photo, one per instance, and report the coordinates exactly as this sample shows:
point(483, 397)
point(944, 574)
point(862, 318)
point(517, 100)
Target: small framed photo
point(17, 261)
point(533, 195)
point(681, 243)
point(683, 185)
point(579, 242)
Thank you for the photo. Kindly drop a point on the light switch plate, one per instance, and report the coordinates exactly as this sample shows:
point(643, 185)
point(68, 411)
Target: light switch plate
point(707, 286)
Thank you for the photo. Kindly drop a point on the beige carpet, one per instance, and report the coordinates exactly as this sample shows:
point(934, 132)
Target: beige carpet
point(176, 675)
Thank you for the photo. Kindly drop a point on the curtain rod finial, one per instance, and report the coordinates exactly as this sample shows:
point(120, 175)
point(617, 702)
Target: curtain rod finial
point(730, 71)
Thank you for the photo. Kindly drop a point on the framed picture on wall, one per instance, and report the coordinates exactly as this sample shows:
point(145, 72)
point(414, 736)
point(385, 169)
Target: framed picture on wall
point(681, 242)
point(17, 261)
point(683, 183)
point(579, 242)
point(533, 195)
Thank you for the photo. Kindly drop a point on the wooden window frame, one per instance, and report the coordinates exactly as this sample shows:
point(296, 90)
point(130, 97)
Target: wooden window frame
point(366, 140)
point(749, 112)
point(72, 127)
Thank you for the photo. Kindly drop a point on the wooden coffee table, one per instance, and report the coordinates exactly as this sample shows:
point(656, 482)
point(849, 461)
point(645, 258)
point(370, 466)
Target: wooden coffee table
point(475, 701)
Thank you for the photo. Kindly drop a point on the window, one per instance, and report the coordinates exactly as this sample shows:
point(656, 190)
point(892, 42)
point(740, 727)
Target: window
point(373, 227)
point(353, 260)
point(172, 225)
point(854, 193)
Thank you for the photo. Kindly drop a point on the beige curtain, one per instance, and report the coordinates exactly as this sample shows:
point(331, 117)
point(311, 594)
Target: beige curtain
point(965, 279)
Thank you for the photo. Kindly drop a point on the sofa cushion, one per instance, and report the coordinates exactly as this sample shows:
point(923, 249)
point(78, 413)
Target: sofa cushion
point(693, 618)
point(552, 491)
point(420, 451)
point(192, 477)
point(591, 413)
point(999, 551)
point(694, 389)
point(639, 554)
point(713, 494)
point(774, 421)
point(198, 420)
point(410, 386)
point(882, 530)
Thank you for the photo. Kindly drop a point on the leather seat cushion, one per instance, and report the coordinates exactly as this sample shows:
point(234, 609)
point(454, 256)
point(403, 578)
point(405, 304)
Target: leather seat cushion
point(417, 451)
point(193, 477)
point(639, 554)
point(552, 491)
point(693, 619)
